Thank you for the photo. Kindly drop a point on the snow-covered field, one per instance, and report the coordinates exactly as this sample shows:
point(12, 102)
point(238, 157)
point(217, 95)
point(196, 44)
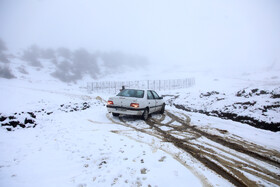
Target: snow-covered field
point(58, 134)
point(77, 148)
point(77, 143)
point(224, 130)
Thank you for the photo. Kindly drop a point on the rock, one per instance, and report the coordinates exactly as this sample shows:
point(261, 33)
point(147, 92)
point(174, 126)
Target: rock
point(3, 118)
point(275, 96)
point(209, 94)
point(29, 121)
point(22, 125)
point(14, 123)
point(143, 171)
point(12, 117)
point(32, 114)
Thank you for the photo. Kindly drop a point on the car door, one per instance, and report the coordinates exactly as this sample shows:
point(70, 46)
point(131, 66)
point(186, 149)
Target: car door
point(158, 101)
point(151, 101)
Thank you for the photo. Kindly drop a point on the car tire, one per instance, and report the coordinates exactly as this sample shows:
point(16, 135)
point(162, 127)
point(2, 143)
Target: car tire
point(115, 114)
point(162, 109)
point(145, 114)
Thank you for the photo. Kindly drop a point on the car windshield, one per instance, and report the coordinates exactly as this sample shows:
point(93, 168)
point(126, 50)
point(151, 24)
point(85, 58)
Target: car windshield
point(132, 93)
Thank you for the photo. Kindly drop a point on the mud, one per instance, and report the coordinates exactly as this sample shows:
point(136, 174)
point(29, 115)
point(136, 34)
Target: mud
point(232, 158)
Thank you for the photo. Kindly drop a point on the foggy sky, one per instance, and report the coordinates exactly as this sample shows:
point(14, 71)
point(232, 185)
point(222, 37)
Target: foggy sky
point(190, 33)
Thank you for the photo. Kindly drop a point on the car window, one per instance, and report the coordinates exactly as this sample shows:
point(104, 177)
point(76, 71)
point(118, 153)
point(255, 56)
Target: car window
point(155, 95)
point(131, 93)
point(150, 95)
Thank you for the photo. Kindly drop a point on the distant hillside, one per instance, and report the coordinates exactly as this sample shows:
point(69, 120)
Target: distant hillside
point(64, 64)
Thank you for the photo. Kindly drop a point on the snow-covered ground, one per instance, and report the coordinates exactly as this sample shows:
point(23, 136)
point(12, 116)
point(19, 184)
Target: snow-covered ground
point(58, 134)
point(250, 98)
point(76, 143)
point(223, 131)
point(77, 148)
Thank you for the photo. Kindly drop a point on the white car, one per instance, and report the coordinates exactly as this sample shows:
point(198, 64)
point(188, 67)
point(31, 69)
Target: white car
point(136, 102)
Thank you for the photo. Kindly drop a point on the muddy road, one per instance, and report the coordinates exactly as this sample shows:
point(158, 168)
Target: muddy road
point(240, 162)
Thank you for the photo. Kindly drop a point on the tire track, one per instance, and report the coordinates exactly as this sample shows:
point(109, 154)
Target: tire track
point(227, 143)
point(212, 155)
point(234, 160)
point(200, 156)
point(122, 121)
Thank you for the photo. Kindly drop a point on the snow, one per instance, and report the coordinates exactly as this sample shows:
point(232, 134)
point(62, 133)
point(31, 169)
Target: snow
point(235, 129)
point(73, 145)
point(79, 149)
point(254, 95)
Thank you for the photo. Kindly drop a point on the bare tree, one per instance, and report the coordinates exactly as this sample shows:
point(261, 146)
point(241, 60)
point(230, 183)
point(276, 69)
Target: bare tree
point(32, 55)
point(3, 55)
point(6, 73)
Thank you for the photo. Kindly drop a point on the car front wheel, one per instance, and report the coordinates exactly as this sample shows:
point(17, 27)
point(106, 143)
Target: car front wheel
point(162, 109)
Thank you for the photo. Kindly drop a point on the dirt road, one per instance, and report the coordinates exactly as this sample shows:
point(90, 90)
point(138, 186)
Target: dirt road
point(240, 162)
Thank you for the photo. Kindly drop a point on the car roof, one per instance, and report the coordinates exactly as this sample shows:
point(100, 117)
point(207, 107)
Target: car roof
point(139, 89)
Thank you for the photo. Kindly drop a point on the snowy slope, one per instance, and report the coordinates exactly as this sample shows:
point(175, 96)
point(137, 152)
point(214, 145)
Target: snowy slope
point(252, 99)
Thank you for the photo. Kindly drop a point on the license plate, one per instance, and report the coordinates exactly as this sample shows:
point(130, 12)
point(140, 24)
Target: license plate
point(121, 109)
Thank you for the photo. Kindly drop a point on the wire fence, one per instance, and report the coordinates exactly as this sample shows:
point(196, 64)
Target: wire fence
point(116, 86)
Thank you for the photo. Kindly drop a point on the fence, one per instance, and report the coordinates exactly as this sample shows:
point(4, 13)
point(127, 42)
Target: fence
point(115, 86)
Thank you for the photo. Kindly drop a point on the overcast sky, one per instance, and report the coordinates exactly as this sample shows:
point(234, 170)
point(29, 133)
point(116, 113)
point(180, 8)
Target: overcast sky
point(196, 33)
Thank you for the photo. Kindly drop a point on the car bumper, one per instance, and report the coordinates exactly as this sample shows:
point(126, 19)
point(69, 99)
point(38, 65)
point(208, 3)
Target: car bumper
point(125, 111)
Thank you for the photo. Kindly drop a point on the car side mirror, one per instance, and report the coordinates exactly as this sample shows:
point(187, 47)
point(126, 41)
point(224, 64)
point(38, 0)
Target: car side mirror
point(160, 97)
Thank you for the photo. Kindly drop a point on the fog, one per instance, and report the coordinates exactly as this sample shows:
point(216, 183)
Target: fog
point(204, 34)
